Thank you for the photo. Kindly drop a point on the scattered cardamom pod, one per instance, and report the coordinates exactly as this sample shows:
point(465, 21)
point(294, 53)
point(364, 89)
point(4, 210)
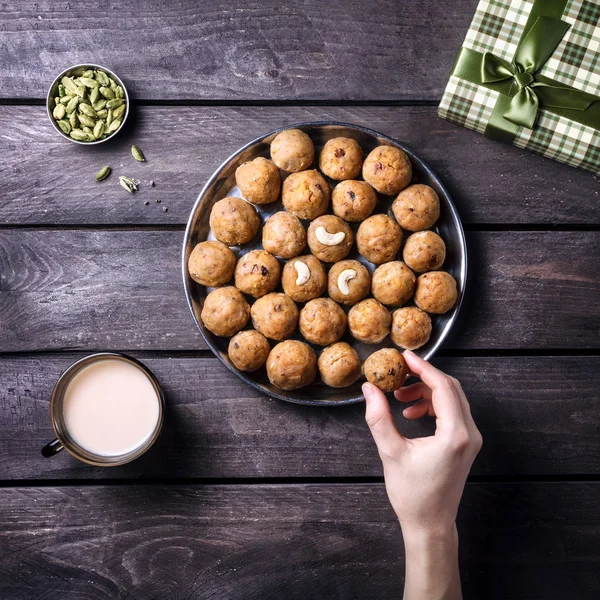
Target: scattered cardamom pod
point(127, 183)
point(90, 106)
point(103, 173)
point(138, 154)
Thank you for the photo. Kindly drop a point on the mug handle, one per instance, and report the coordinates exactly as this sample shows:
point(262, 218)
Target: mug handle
point(52, 448)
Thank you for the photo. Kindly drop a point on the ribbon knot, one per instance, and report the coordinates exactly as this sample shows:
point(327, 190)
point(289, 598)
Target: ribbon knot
point(531, 55)
point(523, 79)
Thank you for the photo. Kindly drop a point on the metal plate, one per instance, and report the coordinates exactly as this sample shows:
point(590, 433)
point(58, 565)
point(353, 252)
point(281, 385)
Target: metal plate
point(222, 183)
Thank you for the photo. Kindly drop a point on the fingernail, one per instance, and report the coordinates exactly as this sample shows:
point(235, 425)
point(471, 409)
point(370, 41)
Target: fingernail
point(366, 389)
point(409, 353)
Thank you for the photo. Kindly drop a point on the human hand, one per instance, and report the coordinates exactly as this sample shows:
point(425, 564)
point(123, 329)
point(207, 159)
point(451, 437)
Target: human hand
point(425, 477)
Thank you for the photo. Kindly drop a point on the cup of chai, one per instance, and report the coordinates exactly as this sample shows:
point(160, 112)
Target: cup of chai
point(106, 410)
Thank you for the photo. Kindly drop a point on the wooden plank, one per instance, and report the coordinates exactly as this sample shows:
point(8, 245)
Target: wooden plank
point(85, 289)
point(247, 50)
point(287, 541)
point(538, 416)
point(49, 181)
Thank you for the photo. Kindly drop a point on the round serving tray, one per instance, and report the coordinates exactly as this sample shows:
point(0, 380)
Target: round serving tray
point(222, 183)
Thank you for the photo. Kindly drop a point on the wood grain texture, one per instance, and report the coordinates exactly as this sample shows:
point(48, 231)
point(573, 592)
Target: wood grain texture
point(46, 180)
point(518, 542)
point(538, 416)
point(247, 50)
point(85, 289)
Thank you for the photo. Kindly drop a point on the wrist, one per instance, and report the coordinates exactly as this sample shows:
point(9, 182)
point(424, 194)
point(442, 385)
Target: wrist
point(443, 536)
point(431, 554)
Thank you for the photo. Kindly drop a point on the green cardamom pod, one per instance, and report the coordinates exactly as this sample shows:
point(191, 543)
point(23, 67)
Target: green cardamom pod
point(89, 82)
point(70, 85)
point(127, 183)
point(79, 135)
point(73, 120)
point(102, 114)
point(65, 100)
point(114, 125)
point(103, 173)
point(87, 129)
point(86, 109)
point(65, 126)
point(119, 92)
point(116, 102)
point(138, 154)
point(57, 100)
point(109, 117)
point(87, 121)
point(119, 111)
point(88, 73)
point(81, 89)
point(59, 111)
point(94, 94)
point(99, 104)
point(61, 90)
point(107, 92)
point(99, 129)
point(102, 78)
point(72, 105)
point(113, 84)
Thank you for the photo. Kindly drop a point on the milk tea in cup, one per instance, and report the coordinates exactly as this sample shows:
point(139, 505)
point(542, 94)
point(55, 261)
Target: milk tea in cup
point(107, 410)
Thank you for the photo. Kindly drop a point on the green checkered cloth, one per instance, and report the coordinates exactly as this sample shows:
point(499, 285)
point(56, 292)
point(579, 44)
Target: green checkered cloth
point(497, 27)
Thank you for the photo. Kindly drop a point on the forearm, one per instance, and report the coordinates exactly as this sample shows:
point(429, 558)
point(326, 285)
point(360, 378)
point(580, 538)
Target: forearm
point(432, 565)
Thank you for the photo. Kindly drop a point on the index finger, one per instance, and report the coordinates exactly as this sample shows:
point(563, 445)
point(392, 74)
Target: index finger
point(445, 399)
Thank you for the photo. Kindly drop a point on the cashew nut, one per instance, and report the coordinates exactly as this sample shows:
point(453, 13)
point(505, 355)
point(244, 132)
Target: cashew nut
point(329, 239)
point(343, 279)
point(303, 272)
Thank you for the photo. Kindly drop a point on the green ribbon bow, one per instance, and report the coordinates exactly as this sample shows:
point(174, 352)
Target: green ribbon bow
point(533, 52)
point(522, 90)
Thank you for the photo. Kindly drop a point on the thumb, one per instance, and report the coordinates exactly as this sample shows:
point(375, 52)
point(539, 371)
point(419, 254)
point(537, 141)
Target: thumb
point(379, 419)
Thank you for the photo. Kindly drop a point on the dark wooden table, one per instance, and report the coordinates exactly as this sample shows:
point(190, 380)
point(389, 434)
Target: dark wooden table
point(244, 496)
